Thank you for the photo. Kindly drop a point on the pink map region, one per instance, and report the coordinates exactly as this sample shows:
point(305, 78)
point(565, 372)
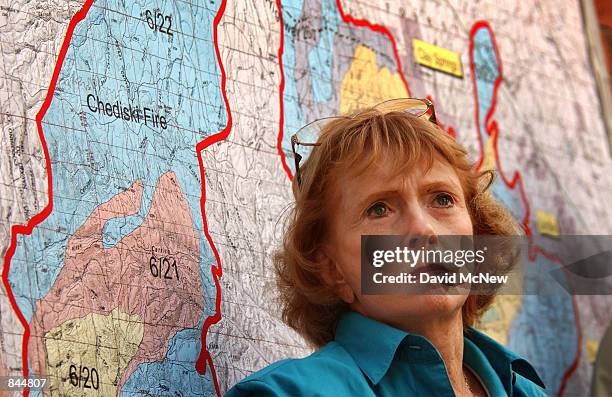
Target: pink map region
point(95, 279)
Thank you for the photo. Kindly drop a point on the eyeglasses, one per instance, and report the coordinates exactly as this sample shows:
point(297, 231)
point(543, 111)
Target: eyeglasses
point(307, 136)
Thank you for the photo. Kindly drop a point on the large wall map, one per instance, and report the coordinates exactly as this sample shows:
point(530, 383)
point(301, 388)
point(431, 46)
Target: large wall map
point(146, 166)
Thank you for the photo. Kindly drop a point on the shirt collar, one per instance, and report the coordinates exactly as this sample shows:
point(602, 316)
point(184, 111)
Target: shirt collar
point(372, 344)
point(503, 360)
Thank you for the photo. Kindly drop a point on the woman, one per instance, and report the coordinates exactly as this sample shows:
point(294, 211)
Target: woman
point(387, 170)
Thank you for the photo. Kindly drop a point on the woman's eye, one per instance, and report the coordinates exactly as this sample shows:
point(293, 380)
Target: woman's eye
point(378, 210)
point(444, 200)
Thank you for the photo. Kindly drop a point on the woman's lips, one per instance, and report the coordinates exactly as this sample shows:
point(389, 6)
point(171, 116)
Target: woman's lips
point(437, 270)
point(434, 269)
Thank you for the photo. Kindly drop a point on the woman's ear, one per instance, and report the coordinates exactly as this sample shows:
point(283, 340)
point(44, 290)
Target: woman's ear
point(333, 276)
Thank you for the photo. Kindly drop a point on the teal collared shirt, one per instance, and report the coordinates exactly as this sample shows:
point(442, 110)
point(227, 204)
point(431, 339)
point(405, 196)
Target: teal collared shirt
point(370, 358)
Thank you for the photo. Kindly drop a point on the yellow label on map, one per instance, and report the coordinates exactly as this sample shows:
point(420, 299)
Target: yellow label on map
point(547, 223)
point(437, 58)
point(591, 349)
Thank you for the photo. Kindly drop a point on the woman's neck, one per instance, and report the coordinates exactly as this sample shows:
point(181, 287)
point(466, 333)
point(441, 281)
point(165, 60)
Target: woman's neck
point(446, 334)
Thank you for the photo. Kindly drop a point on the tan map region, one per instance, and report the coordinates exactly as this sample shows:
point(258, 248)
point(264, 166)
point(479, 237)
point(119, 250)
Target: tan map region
point(76, 369)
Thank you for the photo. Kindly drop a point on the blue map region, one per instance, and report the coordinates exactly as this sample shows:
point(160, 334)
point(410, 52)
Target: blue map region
point(116, 55)
point(117, 228)
point(320, 71)
point(320, 57)
point(293, 117)
point(546, 320)
point(175, 375)
point(486, 69)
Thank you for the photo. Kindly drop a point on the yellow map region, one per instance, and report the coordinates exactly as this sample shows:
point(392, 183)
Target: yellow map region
point(592, 345)
point(488, 153)
point(365, 84)
point(497, 320)
point(87, 356)
point(547, 223)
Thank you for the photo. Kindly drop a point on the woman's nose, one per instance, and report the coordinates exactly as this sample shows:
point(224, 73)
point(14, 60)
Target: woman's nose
point(417, 224)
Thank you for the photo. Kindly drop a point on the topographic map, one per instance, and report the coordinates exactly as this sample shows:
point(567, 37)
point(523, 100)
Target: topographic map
point(146, 166)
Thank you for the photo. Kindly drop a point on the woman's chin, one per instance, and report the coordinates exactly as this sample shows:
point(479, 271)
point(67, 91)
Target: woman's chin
point(421, 306)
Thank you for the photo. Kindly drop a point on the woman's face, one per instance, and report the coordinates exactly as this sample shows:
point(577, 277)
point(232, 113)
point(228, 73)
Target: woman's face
point(422, 202)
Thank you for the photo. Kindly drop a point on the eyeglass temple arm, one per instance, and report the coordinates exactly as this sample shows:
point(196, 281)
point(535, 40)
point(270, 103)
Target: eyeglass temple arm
point(296, 158)
point(430, 105)
point(433, 118)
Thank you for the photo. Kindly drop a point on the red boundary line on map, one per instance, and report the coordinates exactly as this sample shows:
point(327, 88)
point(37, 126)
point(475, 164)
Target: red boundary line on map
point(492, 129)
point(42, 215)
point(281, 93)
point(205, 356)
point(349, 19)
point(217, 271)
point(346, 19)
